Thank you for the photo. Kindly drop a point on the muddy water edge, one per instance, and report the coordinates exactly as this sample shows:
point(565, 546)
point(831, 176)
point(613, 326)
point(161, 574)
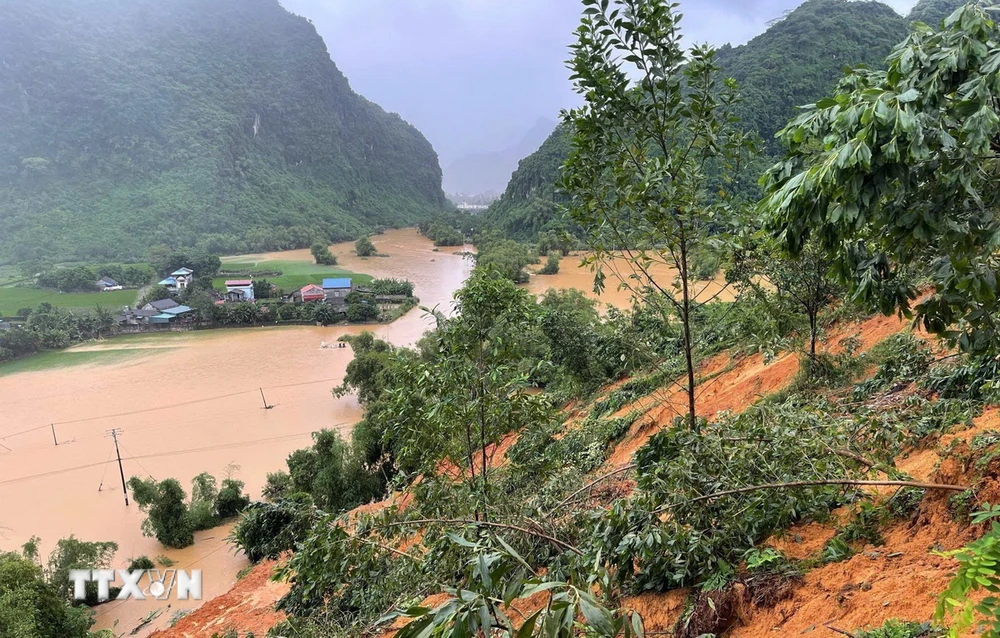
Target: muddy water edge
point(187, 403)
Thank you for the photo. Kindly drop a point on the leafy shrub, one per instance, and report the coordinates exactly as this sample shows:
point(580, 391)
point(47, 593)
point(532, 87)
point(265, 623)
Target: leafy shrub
point(266, 530)
point(900, 629)
point(142, 562)
point(322, 255)
point(551, 266)
point(230, 500)
point(364, 247)
point(167, 516)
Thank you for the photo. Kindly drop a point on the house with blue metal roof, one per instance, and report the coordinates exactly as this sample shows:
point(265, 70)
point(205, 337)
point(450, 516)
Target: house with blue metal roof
point(336, 290)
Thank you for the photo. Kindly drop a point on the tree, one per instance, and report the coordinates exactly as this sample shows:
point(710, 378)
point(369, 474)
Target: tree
point(263, 289)
point(72, 553)
point(167, 516)
point(803, 282)
point(364, 247)
point(322, 255)
point(895, 174)
point(32, 608)
point(637, 171)
point(551, 266)
point(231, 500)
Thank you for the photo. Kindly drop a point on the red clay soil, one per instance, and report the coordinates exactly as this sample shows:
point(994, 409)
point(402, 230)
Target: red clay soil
point(247, 607)
point(902, 580)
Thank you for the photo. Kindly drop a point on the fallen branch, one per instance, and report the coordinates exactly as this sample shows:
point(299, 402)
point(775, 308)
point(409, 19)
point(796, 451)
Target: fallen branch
point(856, 457)
point(395, 551)
point(586, 487)
point(775, 486)
point(461, 521)
point(839, 631)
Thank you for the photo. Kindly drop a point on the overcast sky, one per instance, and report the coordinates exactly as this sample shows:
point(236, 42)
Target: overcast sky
point(474, 75)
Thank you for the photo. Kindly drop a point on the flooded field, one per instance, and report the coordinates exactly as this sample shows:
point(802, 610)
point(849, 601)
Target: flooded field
point(186, 403)
point(572, 275)
point(191, 402)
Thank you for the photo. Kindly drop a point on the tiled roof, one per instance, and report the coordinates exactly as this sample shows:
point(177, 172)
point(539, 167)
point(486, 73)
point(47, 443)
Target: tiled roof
point(239, 282)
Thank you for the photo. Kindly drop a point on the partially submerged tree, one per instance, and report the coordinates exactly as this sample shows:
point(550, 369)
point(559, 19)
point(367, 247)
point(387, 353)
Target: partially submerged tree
point(638, 174)
point(364, 247)
point(896, 172)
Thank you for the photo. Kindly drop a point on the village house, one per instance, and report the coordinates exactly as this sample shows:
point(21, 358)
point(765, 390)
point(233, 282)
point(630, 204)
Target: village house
point(239, 290)
point(170, 315)
point(107, 283)
point(336, 290)
point(160, 305)
point(178, 280)
point(136, 316)
point(311, 292)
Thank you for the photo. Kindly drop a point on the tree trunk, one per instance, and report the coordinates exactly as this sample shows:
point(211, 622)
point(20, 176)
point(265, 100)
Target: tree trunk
point(688, 346)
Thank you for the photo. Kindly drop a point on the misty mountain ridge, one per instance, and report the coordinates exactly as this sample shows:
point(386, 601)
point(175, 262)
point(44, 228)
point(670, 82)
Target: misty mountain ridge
point(221, 124)
point(798, 60)
point(480, 173)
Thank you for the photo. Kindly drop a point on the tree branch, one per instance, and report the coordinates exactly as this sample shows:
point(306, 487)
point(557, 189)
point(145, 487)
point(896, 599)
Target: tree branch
point(586, 487)
point(461, 521)
point(772, 486)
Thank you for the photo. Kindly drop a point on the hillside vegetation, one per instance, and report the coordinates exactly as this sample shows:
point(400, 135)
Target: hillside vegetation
point(220, 124)
point(796, 61)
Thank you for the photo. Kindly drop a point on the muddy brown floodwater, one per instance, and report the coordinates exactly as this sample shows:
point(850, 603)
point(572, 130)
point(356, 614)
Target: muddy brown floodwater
point(573, 275)
point(187, 403)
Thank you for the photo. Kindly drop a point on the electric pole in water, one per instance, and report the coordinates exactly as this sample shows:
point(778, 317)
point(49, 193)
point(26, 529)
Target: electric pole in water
point(114, 435)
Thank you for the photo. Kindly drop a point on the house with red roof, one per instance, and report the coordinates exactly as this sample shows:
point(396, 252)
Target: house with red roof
point(311, 292)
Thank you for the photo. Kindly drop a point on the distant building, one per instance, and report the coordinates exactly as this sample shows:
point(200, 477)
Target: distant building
point(160, 305)
point(107, 283)
point(336, 290)
point(178, 280)
point(312, 292)
point(137, 316)
point(239, 290)
point(170, 314)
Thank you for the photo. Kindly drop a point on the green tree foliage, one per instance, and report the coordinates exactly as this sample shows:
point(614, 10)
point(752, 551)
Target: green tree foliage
point(72, 553)
point(800, 58)
point(167, 515)
point(444, 235)
point(322, 255)
point(977, 571)
point(391, 287)
point(551, 266)
point(32, 608)
point(530, 202)
point(364, 247)
point(636, 173)
point(49, 328)
point(332, 473)
point(231, 500)
point(506, 256)
point(108, 155)
point(266, 530)
point(361, 307)
point(165, 261)
point(263, 289)
point(893, 175)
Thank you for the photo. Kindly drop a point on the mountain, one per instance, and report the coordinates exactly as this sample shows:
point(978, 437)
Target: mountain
point(222, 124)
point(528, 204)
point(932, 12)
point(798, 60)
point(483, 172)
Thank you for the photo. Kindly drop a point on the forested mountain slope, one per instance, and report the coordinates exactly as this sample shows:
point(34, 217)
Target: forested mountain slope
point(219, 123)
point(797, 60)
point(932, 12)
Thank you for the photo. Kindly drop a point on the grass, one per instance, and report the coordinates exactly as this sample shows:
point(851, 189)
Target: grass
point(294, 274)
point(13, 298)
point(64, 358)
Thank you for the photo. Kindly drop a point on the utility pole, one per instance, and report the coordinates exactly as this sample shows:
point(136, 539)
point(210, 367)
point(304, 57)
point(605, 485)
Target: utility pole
point(114, 435)
point(54, 439)
point(264, 399)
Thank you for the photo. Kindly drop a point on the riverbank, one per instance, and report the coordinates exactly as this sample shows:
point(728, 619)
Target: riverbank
point(186, 403)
